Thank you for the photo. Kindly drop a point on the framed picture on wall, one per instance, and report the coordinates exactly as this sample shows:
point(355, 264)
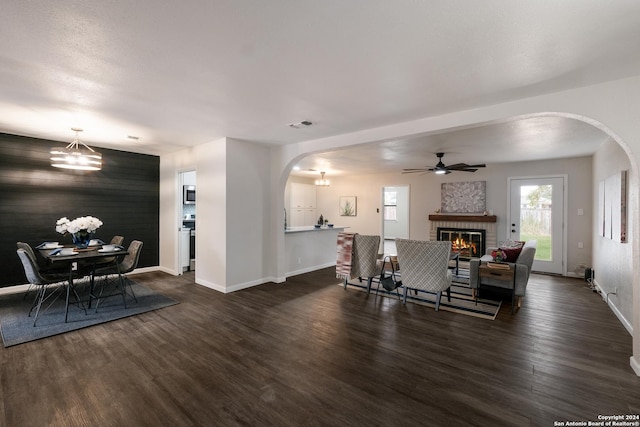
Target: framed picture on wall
point(348, 206)
point(463, 197)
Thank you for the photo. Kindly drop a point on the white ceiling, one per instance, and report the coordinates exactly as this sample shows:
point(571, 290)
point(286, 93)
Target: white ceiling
point(178, 74)
point(530, 138)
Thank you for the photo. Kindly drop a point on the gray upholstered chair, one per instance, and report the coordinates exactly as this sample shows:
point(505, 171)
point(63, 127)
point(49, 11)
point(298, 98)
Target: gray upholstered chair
point(42, 266)
point(128, 263)
point(424, 266)
point(117, 240)
point(521, 267)
point(38, 280)
point(364, 258)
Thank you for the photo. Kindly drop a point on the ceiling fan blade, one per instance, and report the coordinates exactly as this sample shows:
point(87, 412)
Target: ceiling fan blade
point(464, 166)
point(458, 166)
point(440, 168)
point(414, 170)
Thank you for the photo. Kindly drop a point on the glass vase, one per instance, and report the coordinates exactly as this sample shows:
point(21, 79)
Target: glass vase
point(81, 239)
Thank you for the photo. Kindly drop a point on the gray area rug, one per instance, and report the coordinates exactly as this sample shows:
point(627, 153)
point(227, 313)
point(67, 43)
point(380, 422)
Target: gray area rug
point(17, 327)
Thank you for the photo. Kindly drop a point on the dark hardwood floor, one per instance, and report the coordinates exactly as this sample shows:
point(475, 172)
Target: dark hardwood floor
point(307, 352)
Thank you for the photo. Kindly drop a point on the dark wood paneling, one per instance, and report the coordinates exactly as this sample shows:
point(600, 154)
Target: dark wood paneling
point(124, 195)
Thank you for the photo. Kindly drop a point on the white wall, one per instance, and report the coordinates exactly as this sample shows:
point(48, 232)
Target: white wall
point(248, 214)
point(234, 212)
point(611, 259)
point(211, 220)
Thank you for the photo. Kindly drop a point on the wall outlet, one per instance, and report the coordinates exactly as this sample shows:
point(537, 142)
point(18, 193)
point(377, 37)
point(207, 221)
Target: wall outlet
point(299, 260)
point(580, 245)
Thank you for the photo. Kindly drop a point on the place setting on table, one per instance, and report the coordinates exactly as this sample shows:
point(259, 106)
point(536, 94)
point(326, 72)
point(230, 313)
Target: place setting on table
point(53, 250)
point(75, 275)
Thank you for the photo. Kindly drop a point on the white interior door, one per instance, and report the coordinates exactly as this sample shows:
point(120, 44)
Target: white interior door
point(537, 211)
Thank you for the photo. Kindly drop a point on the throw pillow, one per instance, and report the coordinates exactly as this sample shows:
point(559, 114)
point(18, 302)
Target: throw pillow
point(512, 253)
point(511, 244)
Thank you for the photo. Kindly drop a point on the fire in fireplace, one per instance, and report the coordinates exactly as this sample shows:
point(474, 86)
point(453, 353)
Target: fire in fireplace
point(469, 243)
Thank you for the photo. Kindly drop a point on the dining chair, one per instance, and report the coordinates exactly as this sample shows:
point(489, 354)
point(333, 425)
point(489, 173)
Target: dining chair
point(128, 263)
point(117, 240)
point(42, 266)
point(424, 266)
point(39, 280)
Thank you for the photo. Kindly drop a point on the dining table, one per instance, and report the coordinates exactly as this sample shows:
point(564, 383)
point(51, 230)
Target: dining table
point(82, 263)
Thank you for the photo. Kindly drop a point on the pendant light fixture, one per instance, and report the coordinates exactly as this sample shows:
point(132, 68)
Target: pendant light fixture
point(76, 155)
point(322, 182)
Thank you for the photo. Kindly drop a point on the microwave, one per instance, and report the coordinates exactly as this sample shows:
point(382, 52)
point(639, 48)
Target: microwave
point(189, 194)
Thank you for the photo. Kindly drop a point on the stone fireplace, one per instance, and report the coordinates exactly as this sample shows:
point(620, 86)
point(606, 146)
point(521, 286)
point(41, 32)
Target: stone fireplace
point(478, 230)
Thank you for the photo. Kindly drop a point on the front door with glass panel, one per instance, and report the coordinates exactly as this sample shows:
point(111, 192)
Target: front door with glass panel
point(537, 213)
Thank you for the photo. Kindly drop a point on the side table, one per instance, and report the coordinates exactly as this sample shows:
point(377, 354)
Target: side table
point(499, 277)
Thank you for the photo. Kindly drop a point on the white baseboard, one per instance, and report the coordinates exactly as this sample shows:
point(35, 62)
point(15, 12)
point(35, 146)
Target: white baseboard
point(148, 270)
point(627, 325)
point(14, 289)
point(210, 285)
point(635, 365)
point(309, 269)
point(257, 282)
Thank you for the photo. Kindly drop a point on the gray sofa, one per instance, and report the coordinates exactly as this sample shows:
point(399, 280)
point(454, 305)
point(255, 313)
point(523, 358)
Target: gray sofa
point(522, 269)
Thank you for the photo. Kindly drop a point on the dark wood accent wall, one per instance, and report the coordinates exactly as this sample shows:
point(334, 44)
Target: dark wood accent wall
point(124, 195)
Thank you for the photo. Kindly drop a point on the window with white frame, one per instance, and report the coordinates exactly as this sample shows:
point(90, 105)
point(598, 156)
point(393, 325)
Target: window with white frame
point(390, 206)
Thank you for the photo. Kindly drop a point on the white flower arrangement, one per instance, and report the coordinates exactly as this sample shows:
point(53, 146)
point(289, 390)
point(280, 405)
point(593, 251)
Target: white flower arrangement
point(86, 224)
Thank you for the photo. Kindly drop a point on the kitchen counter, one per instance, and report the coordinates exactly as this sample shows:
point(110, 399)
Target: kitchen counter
point(312, 228)
point(308, 248)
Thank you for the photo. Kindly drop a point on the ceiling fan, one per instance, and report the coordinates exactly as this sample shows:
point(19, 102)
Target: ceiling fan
point(440, 168)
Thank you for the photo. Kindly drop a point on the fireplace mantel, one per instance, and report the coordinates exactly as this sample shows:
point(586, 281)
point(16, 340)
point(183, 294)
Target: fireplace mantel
point(463, 218)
